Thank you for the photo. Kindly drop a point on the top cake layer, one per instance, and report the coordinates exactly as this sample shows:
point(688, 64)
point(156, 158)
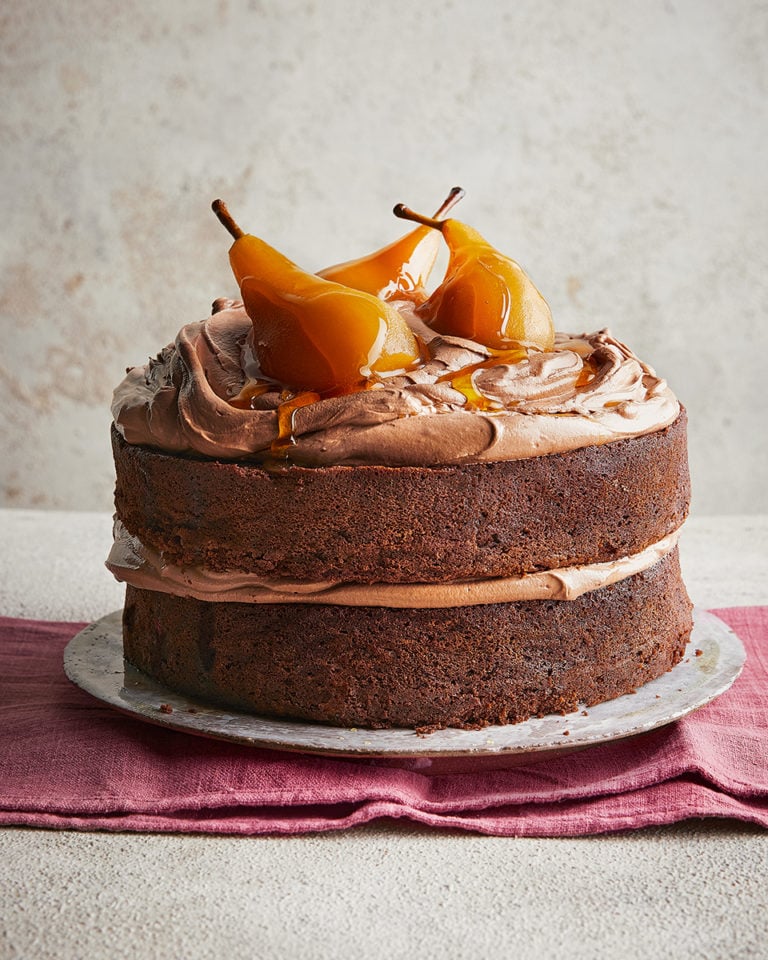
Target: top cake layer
point(462, 404)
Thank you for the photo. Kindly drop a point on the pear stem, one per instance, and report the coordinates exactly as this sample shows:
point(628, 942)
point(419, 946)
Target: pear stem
point(405, 213)
point(450, 201)
point(220, 209)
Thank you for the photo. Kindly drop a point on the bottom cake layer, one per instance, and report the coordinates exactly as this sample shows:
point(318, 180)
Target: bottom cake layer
point(430, 668)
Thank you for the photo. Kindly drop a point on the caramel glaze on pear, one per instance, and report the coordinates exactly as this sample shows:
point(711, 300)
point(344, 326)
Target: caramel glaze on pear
point(485, 296)
point(313, 334)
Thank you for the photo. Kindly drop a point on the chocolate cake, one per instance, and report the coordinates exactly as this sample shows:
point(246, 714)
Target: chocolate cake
point(474, 539)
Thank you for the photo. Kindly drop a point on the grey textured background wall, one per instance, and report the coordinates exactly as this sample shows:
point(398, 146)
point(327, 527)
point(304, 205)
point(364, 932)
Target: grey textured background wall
point(617, 149)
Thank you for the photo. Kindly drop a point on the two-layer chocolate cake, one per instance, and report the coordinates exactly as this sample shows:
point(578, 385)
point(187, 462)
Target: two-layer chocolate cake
point(344, 501)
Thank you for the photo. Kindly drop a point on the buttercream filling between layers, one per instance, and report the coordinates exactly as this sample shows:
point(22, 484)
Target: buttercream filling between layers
point(134, 563)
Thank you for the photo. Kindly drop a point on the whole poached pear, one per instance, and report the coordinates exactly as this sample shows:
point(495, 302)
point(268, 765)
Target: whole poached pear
point(401, 269)
point(313, 334)
point(485, 296)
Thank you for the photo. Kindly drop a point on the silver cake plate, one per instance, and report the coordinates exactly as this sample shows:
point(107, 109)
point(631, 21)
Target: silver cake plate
point(713, 659)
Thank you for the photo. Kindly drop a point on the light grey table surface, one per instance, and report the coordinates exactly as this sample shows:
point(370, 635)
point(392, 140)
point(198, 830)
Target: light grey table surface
point(390, 889)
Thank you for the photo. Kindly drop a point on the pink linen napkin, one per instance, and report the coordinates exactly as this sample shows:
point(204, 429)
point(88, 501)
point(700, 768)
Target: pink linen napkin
point(69, 761)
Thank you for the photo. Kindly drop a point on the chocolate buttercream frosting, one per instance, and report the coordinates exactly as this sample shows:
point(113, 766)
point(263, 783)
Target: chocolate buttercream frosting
point(134, 563)
point(589, 389)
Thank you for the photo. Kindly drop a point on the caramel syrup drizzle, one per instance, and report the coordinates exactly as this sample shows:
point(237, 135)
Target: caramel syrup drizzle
point(588, 373)
point(286, 414)
point(290, 402)
point(461, 380)
point(251, 390)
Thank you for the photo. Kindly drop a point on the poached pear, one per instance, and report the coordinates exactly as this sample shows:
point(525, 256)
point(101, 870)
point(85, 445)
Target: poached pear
point(402, 268)
point(311, 333)
point(485, 295)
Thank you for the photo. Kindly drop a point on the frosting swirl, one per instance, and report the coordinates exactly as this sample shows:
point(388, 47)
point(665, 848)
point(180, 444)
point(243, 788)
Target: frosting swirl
point(590, 389)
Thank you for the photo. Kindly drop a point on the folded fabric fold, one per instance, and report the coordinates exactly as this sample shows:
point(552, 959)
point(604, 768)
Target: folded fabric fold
point(69, 761)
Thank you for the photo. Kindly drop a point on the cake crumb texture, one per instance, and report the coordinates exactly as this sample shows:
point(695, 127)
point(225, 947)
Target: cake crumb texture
point(372, 524)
